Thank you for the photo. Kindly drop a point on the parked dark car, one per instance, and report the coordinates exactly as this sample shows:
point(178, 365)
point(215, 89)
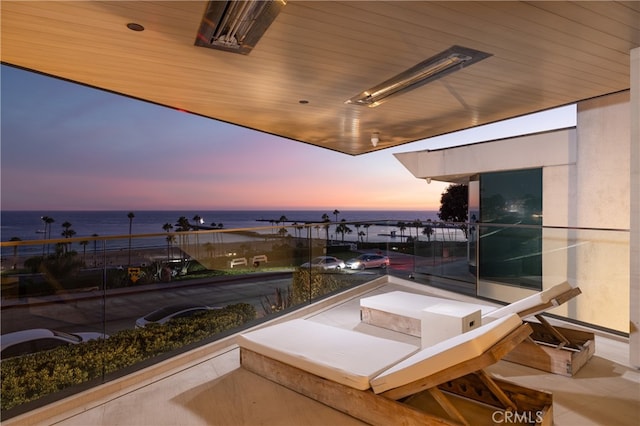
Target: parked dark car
point(163, 315)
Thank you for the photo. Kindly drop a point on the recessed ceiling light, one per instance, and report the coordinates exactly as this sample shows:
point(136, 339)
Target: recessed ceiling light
point(135, 27)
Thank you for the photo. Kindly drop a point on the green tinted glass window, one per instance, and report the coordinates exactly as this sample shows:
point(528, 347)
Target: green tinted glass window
point(511, 233)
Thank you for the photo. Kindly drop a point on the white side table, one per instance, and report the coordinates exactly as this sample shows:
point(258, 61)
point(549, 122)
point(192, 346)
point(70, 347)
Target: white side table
point(445, 320)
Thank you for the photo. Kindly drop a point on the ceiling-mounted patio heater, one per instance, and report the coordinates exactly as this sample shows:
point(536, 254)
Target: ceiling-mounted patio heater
point(453, 59)
point(236, 26)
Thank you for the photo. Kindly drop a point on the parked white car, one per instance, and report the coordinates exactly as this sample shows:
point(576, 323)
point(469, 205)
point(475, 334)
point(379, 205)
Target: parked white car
point(326, 263)
point(368, 260)
point(41, 339)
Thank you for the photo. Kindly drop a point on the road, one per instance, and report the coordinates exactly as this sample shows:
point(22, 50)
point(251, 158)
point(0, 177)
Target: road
point(121, 310)
point(118, 310)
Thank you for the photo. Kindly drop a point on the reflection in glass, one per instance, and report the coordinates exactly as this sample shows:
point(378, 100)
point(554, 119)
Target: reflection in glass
point(510, 242)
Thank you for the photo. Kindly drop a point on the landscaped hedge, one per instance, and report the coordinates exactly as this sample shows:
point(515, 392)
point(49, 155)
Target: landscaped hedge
point(31, 377)
point(312, 284)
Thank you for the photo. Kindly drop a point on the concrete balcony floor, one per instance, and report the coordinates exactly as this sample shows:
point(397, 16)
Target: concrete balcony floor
point(208, 387)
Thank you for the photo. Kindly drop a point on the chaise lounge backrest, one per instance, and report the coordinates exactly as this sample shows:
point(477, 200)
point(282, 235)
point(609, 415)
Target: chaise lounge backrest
point(454, 351)
point(536, 303)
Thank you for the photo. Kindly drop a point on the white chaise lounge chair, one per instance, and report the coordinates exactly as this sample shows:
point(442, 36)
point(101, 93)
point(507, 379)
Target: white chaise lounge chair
point(535, 304)
point(554, 349)
point(385, 382)
point(558, 350)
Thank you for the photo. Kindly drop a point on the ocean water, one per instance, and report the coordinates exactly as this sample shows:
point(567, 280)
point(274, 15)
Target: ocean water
point(28, 225)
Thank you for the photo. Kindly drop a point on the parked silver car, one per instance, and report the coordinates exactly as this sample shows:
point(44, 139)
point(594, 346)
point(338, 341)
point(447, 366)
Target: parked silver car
point(368, 260)
point(34, 340)
point(325, 263)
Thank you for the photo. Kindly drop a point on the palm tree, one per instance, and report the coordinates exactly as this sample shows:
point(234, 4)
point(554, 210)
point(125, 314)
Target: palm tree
point(198, 221)
point(84, 244)
point(216, 235)
point(297, 229)
point(326, 221)
point(44, 221)
point(49, 221)
point(428, 230)
point(130, 215)
point(417, 224)
point(170, 241)
point(67, 226)
point(47, 230)
point(343, 228)
point(366, 226)
point(15, 251)
point(336, 212)
point(402, 226)
point(167, 227)
point(183, 225)
point(95, 249)
point(67, 233)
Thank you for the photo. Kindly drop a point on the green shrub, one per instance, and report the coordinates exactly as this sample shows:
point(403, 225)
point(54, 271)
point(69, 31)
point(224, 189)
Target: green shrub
point(31, 377)
point(310, 284)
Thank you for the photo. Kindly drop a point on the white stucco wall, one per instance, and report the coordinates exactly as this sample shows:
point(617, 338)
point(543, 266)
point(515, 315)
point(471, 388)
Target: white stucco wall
point(586, 217)
point(589, 202)
point(537, 150)
point(603, 168)
point(603, 175)
point(586, 204)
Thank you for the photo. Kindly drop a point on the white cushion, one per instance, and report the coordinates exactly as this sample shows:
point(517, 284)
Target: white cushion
point(340, 355)
point(411, 305)
point(445, 354)
point(529, 302)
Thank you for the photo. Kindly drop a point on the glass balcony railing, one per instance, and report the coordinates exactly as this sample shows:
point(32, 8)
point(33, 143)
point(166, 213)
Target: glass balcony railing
point(80, 311)
point(77, 312)
point(503, 262)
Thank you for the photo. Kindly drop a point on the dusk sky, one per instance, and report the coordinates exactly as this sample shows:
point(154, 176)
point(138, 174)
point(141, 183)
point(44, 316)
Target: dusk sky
point(69, 147)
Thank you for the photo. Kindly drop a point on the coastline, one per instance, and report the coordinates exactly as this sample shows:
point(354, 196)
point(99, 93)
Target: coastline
point(28, 225)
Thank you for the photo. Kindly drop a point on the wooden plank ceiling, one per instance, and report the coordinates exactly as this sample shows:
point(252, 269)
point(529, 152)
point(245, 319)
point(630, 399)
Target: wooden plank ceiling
point(544, 54)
